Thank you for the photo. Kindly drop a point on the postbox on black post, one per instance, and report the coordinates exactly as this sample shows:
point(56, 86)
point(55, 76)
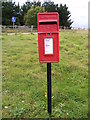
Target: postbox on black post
point(48, 44)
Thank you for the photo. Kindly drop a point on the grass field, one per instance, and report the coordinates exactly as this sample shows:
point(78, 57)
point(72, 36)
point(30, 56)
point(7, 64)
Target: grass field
point(24, 82)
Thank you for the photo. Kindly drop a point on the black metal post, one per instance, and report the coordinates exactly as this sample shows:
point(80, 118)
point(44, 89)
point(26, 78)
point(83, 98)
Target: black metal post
point(49, 87)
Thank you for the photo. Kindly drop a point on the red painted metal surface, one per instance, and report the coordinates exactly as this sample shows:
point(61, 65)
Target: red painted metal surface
point(48, 30)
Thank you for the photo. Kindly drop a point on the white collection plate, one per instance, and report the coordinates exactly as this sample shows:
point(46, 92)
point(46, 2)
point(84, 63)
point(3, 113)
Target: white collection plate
point(48, 42)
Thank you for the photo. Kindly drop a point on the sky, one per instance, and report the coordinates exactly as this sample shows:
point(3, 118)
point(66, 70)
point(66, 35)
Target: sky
point(78, 9)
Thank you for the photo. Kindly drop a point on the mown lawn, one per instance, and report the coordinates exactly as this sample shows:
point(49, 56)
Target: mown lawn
point(24, 82)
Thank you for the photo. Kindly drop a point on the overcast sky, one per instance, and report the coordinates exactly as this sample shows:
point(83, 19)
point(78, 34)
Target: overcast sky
point(78, 9)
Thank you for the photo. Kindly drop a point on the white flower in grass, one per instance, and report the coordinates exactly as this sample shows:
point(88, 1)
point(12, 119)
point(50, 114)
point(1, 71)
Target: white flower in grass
point(6, 107)
point(23, 101)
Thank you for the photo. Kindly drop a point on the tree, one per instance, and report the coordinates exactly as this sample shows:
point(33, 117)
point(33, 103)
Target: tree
point(50, 6)
point(64, 16)
point(38, 3)
point(7, 12)
point(31, 16)
point(27, 14)
point(24, 10)
point(9, 9)
point(64, 13)
point(17, 14)
point(26, 7)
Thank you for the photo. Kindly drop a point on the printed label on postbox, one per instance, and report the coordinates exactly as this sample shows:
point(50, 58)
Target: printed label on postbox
point(48, 42)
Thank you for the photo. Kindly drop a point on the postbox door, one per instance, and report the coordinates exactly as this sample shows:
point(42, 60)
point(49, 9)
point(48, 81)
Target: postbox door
point(48, 48)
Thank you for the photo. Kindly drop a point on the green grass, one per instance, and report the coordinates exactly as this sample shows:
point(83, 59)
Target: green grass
point(25, 80)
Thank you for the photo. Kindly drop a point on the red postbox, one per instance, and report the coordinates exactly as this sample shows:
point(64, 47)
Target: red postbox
point(48, 37)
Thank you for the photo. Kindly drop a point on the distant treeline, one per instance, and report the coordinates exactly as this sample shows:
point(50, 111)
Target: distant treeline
point(29, 10)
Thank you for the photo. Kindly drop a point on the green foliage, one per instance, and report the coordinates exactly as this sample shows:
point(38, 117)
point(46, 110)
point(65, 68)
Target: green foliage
point(9, 10)
point(24, 10)
point(31, 16)
point(26, 14)
point(64, 13)
point(24, 85)
point(50, 6)
point(64, 16)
